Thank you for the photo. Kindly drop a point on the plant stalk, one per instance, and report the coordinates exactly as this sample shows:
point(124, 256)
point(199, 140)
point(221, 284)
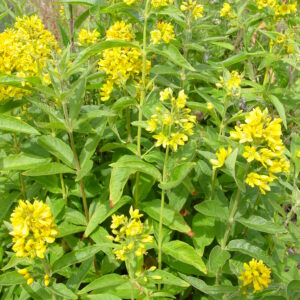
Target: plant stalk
point(164, 181)
point(142, 98)
point(77, 164)
point(222, 127)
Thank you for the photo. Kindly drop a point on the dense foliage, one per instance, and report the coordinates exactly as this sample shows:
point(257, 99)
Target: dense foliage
point(150, 150)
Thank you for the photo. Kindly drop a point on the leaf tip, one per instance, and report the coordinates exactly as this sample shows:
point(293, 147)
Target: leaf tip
point(111, 203)
point(191, 233)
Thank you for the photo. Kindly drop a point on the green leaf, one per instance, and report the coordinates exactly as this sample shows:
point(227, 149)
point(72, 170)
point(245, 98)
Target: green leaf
point(123, 102)
point(105, 282)
point(184, 253)
point(49, 169)
point(213, 208)
point(65, 229)
point(178, 174)
point(5, 205)
point(61, 290)
point(21, 162)
point(77, 256)
point(14, 261)
point(102, 297)
point(11, 278)
point(172, 53)
point(293, 290)
point(137, 165)
point(260, 224)
point(207, 289)
point(118, 180)
point(58, 148)
point(102, 212)
point(79, 274)
point(12, 124)
point(232, 60)
point(245, 247)
point(174, 12)
point(171, 218)
point(168, 278)
point(76, 99)
point(217, 259)
point(280, 108)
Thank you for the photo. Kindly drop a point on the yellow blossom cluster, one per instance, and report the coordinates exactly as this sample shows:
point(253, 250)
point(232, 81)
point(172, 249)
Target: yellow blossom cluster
point(226, 11)
point(129, 2)
point(24, 51)
point(164, 31)
point(264, 145)
point(280, 9)
point(231, 83)
point(32, 227)
point(26, 276)
point(161, 3)
point(174, 124)
point(257, 274)
point(87, 37)
point(222, 154)
point(130, 234)
point(120, 63)
point(192, 7)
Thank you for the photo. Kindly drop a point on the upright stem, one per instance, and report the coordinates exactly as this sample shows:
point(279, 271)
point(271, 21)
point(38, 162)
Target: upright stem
point(222, 127)
point(214, 175)
point(72, 26)
point(142, 97)
point(77, 164)
point(63, 188)
point(128, 127)
point(164, 180)
point(231, 218)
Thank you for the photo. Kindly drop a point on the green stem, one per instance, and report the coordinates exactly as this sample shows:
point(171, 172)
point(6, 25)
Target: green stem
point(222, 126)
point(164, 181)
point(77, 164)
point(128, 127)
point(63, 188)
point(142, 97)
point(213, 182)
point(231, 219)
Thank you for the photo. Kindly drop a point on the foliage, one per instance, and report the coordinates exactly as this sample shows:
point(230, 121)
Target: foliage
point(152, 151)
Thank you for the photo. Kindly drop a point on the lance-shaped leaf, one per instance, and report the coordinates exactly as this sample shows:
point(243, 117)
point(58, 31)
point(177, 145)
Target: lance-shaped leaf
point(171, 218)
point(184, 253)
point(12, 124)
point(49, 169)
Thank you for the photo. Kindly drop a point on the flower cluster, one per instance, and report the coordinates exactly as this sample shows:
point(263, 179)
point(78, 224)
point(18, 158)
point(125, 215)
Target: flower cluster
point(174, 123)
point(130, 234)
point(33, 227)
point(280, 10)
point(24, 51)
point(120, 63)
point(264, 145)
point(226, 11)
point(26, 276)
point(192, 7)
point(164, 31)
point(257, 274)
point(87, 37)
point(161, 3)
point(129, 2)
point(231, 83)
point(222, 154)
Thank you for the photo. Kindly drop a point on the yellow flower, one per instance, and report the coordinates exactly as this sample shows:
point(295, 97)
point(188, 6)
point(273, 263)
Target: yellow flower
point(166, 94)
point(298, 153)
point(198, 11)
point(30, 281)
point(181, 99)
point(106, 91)
point(155, 36)
point(261, 181)
point(117, 221)
point(24, 52)
point(161, 3)
point(250, 153)
point(33, 227)
point(134, 213)
point(290, 49)
point(152, 125)
point(161, 140)
point(129, 2)
point(222, 154)
point(141, 250)
point(120, 31)
point(210, 106)
point(87, 37)
point(177, 139)
point(46, 280)
point(164, 31)
point(226, 10)
point(280, 39)
point(257, 274)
